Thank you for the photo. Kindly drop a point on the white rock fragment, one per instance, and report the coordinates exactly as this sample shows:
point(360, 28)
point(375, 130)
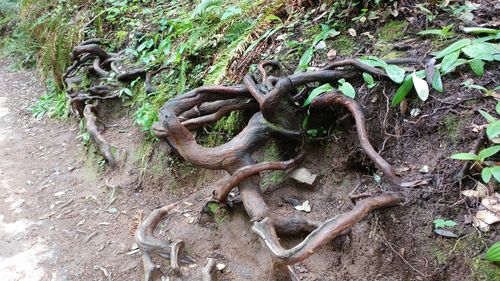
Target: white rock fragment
point(221, 267)
point(303, 175)
point(305, 207)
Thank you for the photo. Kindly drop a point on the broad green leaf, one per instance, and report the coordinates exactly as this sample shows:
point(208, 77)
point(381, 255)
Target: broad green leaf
point(448, 61)
point(493, 253)
point(486, 174)
point(453, 48)
point(346, 88)
point(487, 116)
point(465, 156)
point(437, 84)
point(497, 107)
point(306, 58)
point(493, 129)
point(373, 61)
point(455, 65)
point(421, 87)
point(481, 50)
point(403, 90)
point(496, 172)
point(449, 223)
point(477, 65)
point(396, 73)
point(487, 152)
point(316, 92)
point(370, 82)
point(477, 30)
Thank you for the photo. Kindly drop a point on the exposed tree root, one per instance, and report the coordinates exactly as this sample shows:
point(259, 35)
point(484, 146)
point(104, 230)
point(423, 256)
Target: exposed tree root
point(273, 103)
point(106, 148)
point(210, 272)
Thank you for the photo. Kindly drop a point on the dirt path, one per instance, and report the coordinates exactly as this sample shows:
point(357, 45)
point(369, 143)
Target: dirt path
point(52, 223)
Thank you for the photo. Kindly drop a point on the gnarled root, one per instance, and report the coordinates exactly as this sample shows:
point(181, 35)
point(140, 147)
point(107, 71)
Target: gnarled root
point(210, 272)
point(323, 234)
point(102, 144)
point(150, 245)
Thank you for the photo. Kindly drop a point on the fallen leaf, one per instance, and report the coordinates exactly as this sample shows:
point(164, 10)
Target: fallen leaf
point(352, 32)
point(303, 175)
point(445, 233)
point(492, 203)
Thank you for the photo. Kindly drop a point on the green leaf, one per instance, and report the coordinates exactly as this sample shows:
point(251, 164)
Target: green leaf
point(316, 92)
point(346, 88)
point(231, 11)
point(453, 48)
point(465, 156)
point(493, 129)
point(449, 223)
point(496, 172)
point(477, 30)
point(493, 253)
point(373, 61)
point(306, 58)
point(438, 223)
point(396, 73)
point(421, 87)
point(487, 152)
point(437, 83)
point(497, 107)
point(370, 82)
point(403, 90)
point(455, 65)
point(486, 174)
point(449, 60)
point(477, 65)
point(487, 116)
point(481, 50)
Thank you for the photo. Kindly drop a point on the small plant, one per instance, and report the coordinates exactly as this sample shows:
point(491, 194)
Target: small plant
point(52, 104)
point(489, 169)
point(326, 32)
point(444, 32)
point(441, 223)
point(493, 253)
point(469, 85)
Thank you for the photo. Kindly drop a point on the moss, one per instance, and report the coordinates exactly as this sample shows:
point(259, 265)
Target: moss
point(483, 270)
point(344, 45)
point(91, 168)
point(220, 214)
point(392, 30)
point(392, 55)
point(271, 153)
point(454, 126)
point(224, 129)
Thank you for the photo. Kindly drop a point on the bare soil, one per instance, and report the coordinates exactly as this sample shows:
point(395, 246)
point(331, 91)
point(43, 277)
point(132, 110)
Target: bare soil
point(65, 217)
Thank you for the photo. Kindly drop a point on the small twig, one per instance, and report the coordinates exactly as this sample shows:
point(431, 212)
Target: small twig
point(400, 256)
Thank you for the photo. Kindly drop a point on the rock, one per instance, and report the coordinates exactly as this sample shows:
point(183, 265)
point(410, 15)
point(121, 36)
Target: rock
point(303, 175)
point(331, 54)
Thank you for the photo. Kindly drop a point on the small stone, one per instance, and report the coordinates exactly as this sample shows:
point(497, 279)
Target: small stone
point(352, 32)
point(321, 45)
point(424, 169)
point(221, 267)
point(331, 54)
